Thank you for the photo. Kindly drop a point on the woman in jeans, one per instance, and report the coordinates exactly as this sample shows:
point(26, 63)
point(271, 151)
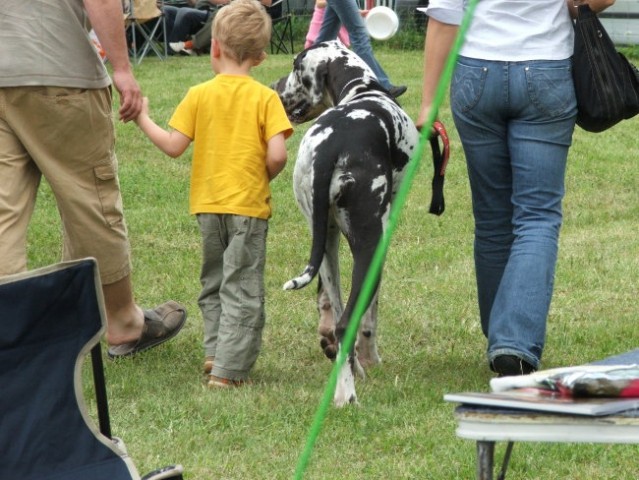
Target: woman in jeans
point(514, 107)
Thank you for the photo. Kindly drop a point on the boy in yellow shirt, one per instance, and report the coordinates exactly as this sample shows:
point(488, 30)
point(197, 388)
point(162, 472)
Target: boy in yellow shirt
point(238, 128)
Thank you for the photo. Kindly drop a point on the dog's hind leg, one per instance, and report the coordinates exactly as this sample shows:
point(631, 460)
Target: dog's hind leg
point(326, 326)
point(329, 297)
point(345, 389)
point(366, 346)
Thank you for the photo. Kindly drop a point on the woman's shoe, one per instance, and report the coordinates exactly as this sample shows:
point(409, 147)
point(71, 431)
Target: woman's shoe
point(508, 365)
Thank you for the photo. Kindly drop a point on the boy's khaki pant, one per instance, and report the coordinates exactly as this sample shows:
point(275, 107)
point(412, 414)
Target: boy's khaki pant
point(232, 297)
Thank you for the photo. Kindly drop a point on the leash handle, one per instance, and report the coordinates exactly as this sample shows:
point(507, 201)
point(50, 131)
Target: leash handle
point(440, 161)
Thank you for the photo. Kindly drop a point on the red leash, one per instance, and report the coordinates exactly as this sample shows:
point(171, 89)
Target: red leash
point(441, 154)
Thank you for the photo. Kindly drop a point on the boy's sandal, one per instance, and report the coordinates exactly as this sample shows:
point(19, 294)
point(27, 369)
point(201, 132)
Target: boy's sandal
point(219, 382)
point(160, 324)
point(208, 364)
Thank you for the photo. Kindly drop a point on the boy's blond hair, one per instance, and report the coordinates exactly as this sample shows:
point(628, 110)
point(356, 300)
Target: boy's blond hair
point(243, 29)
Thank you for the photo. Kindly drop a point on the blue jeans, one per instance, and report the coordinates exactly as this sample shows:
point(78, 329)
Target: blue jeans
point(515, 121)
point(346, 12)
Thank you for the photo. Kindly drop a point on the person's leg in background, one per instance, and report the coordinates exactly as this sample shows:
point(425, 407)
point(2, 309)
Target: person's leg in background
point(347, 13)
point(188, 21)
point(170, 12)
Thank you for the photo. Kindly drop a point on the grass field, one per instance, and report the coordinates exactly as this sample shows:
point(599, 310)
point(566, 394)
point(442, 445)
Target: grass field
point(429, 334)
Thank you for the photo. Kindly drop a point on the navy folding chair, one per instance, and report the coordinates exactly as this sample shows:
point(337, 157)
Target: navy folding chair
point(50, 319)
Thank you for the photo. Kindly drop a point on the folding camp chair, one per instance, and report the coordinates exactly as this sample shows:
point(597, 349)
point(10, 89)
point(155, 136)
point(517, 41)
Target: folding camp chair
point(282, 35)
point(145, 23)
point(50, 319)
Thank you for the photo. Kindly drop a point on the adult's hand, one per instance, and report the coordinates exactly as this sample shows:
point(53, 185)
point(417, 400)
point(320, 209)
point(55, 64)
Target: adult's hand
point(107, 20)
point(130, 95)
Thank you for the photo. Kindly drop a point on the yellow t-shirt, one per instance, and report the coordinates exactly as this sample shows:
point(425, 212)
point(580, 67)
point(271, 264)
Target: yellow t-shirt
point(230, 119)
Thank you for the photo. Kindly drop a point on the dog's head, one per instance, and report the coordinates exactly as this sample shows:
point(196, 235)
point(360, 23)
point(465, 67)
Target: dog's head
point(323, 76)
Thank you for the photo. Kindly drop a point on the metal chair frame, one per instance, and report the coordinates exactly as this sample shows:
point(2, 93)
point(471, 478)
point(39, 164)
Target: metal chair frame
point(148, 28)
point(282, 34)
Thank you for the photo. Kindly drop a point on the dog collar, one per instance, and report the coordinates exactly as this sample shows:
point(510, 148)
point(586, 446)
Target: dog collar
point(347, 84)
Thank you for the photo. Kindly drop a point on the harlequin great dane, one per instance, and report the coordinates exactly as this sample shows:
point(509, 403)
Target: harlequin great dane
point(349, 166)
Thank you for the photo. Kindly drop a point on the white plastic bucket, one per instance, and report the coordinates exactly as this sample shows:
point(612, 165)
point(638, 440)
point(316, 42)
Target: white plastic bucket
point(382, 23)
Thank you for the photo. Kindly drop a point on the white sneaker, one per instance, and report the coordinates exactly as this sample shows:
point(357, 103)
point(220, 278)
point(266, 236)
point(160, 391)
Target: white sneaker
point(178, 47)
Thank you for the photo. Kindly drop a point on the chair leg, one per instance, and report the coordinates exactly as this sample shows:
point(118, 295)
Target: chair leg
point(149, 42)
point(290, 35)
point(100, 391)
point(282, 36)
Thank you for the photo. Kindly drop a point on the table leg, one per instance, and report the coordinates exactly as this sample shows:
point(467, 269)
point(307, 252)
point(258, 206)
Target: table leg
point(485, 459)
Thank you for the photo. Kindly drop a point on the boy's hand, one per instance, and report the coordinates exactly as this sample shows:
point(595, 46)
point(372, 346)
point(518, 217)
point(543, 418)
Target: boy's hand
point(145, 106)
point(144, 110)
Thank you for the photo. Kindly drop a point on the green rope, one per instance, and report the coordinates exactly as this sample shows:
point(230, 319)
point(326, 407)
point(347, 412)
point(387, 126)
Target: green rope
point(375, 268)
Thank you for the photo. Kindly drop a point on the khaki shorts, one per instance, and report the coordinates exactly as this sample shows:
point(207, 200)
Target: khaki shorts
point(67, 136)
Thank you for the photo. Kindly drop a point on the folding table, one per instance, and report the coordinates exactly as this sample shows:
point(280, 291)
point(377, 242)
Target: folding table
point(488, 425)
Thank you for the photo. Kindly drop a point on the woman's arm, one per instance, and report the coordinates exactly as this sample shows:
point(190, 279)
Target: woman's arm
point(439, 41)
point(595, 5)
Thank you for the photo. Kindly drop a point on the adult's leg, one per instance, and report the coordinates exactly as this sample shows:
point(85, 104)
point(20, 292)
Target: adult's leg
point(170, 12)
point(187, 22)
point(347, 13)
point(125, 318)
point(19, 180)
point(478, 111)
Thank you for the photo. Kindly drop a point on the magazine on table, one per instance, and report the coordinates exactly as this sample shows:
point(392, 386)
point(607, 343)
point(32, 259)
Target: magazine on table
point(534, 399)
point(582, 390)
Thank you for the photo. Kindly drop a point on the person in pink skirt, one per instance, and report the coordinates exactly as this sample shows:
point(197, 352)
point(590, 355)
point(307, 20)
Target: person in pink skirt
point(316, 23)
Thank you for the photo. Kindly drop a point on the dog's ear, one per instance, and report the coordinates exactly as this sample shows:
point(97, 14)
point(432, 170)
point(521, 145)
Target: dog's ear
point(317, 88)
point(278, 85)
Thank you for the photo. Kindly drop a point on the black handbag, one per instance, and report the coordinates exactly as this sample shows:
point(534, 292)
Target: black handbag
point(606, 83)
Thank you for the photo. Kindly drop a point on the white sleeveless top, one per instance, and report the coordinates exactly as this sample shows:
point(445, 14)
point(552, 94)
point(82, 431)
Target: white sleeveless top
point(511, 30)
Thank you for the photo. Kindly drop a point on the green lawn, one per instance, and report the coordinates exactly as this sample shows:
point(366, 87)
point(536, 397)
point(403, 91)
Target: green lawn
point(429, 334)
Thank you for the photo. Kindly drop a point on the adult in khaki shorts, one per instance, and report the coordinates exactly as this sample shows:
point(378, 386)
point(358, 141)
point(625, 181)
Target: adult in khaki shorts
point(56, 122)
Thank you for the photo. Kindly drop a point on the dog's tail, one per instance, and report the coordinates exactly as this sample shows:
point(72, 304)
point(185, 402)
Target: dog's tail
point(319, 225)
point(319, 228)
point(304, 279)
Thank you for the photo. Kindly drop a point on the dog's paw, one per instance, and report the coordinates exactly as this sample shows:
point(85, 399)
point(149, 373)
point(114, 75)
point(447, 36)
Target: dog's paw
point(329, 348)
point(345, 393)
